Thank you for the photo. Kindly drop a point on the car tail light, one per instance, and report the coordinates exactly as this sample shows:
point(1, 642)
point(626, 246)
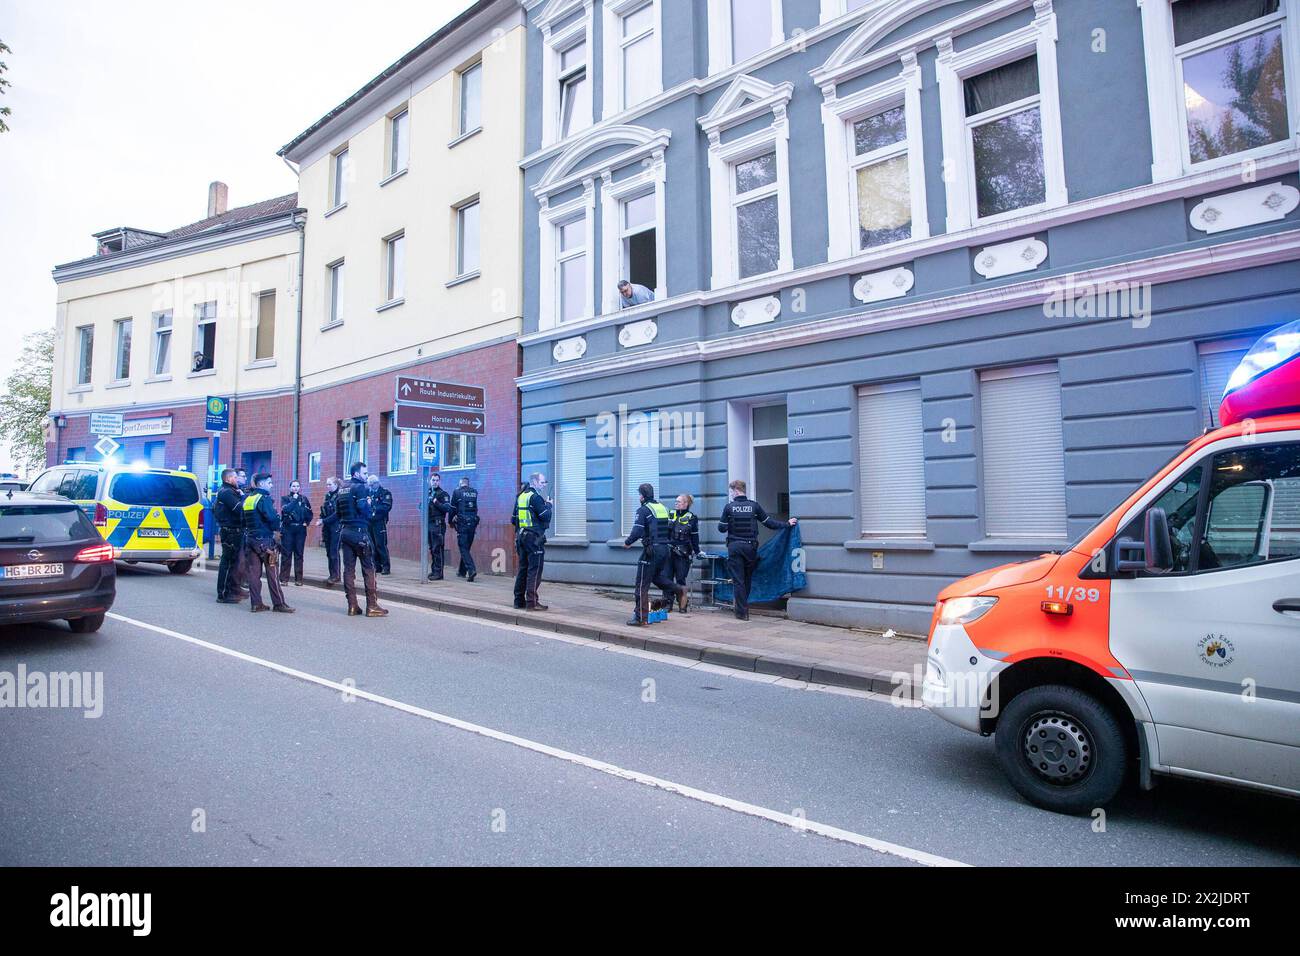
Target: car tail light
point(101, 516)
point(201, 514)
point(95, 554)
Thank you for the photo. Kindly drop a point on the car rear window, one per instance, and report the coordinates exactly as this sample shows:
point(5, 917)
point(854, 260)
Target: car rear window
point(168, 491)
point(44, 524)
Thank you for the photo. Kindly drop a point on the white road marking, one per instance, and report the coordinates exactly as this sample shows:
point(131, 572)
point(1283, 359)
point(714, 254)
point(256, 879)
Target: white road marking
point(600, 766)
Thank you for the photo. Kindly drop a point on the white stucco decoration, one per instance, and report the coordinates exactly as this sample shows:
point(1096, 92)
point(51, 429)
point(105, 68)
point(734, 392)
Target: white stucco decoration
point(890, 284)
point(566, 350)
point(1245, 207)
point(1008, 258)
point(638, 333)
point(756, 311)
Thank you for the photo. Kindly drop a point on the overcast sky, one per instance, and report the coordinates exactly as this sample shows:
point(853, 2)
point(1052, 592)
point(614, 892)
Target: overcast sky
point(123, 112)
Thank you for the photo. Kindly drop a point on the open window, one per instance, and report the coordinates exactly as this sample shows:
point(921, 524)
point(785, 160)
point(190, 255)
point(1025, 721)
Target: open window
point(205, 337)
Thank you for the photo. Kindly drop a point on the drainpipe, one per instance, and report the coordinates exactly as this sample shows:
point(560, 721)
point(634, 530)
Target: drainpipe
point(300, 224)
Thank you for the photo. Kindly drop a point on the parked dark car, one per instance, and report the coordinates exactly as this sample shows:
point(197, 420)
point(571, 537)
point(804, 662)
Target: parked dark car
point(54, 564)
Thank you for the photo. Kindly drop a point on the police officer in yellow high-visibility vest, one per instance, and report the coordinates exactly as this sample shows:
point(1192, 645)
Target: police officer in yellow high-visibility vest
point(532, 517)
point(653, 528)
point(260, 525)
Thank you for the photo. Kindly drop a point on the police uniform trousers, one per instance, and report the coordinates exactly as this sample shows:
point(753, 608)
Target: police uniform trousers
point(530, 548)
point(230, 569)
point(293, 539)
point(330, 539)
point(260, 554)
point(355, 545)
point(437, 548)
point(465, 529)
point(379, 537)
point(742, 559)
point(654, 568)
point(680, 562)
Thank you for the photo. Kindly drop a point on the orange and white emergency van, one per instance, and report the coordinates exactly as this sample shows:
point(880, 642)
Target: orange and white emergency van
point(1166, 640)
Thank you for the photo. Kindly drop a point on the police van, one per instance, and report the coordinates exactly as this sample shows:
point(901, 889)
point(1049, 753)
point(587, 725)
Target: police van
point(1167, 639)
point(148, 515)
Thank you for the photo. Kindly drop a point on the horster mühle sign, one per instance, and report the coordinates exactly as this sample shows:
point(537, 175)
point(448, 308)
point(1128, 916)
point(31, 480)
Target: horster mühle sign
point(423, 418)
point(422, 391)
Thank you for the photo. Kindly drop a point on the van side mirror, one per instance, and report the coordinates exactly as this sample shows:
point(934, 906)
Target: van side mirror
point(1154, 552)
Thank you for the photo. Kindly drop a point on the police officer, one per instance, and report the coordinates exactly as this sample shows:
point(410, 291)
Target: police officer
point(381, 503)
point(739, 522)
point(353, 508)
point(439, 509)
point(329, 525)
point(226, 513)
point(464, 504)
point(261, 523)
point(295, 517)
point(683, 543)
point(652, 527)
point(531, 519)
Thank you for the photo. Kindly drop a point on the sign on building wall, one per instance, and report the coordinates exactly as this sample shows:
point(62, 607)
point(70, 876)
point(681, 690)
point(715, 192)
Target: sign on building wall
point(143, 427)
point(106, 424)
point(217, 418)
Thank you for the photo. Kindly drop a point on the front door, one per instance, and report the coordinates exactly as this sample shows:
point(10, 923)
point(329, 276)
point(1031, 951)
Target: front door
point(1212, 644)
point(771, 450)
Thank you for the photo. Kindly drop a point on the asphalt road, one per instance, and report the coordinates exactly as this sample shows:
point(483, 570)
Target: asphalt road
point(232, 739)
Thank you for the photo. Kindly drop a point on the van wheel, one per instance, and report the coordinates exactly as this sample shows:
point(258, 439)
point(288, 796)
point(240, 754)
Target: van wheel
point(1062, 749)
point(180, 567)
point(86, 625)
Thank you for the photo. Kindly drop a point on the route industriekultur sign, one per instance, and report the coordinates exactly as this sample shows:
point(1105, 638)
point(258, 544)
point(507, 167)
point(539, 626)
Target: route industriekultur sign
point(423, 391)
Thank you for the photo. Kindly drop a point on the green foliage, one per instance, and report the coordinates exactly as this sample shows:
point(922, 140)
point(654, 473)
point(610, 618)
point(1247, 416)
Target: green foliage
point(25, 403)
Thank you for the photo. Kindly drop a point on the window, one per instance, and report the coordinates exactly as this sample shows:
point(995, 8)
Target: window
point(638, 243)
point(831, 9)
point(162, 343)
point(459, 451)
point(402, 451)
point(399, 142)
point(572, 280)
point(85, 353)
point(76, 454)
point(640, 441)
point(205, 337)
point(335, 279)
point(467, 238)
point(575, 91)
point(570, 517)
point(757, 222)
point(122, 350)
point(471, 99)
point(155, 452)
point(313, 467)
point(353, 434)
point(638, 52)
point(197, 455)
point(891, 461)
point(264, 336)
point(1254, 507)
point(157, 491)
point(1217, 361)
point(341, 174)
point(1006, 138)
point(395, 267)
point(740, 29)
point(881, 188)
point(1230, 63)
point(1023, 456)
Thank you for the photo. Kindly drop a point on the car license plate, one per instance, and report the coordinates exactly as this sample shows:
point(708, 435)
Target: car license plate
point(31, 571)
point(152, 533)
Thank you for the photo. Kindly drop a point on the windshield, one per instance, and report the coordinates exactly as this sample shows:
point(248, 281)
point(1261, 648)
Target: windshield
point(162, 491)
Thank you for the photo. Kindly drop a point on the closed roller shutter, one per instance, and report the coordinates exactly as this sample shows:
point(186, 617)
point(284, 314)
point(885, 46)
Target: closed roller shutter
point(640, 462)
point(1218, 359)
point(891, 460)
point(570, 518)
point(1023, 456)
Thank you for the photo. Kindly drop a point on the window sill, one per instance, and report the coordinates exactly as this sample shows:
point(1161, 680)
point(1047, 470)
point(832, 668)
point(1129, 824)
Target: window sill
point(568, 542)
point(399, 474)
point(889, 544)
point(617, 543)
point(443, 469)
point(339, 208)
point(464, 136)
point(81, 388)
point(260, 363)
point(155, 379)
point(394, 176)
point(1016, 546)
point(331, 325)
point(119, 383)
point(391, 305)
point(205, 373)
point(467, 277)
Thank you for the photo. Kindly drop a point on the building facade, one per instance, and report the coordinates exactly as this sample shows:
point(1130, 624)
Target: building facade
point(401, 181)
point(945, 280)
point(155, 323)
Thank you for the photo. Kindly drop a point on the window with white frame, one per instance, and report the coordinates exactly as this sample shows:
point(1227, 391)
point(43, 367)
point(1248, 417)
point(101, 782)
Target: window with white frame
point(313, 466)
point(122, 350)
point(632, 53)
point(205, 337)
point(467, 238)
point(395, 267)
point(832, 9)
point(740, 29)
point(756, 219)
point(459, 451)
point(572, 269)
point(399, 142)
point(161, 363)
point(568, 39)
point(1218, 360)
point(340, 177)
point(640, 461)
point(85, 353)
point(570, 477)
point(334, 281)
point(891, 461)
point(264, 334)
point(638, 240)
point(881, 186)
point(353, 434)
point(575, 90)
point(402, 450)
point(1022, 453)
point(471, 98)
point(1001, 117)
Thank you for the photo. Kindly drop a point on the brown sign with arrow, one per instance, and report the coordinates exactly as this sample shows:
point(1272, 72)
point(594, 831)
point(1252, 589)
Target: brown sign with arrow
point(423, 391)
point(423, 418)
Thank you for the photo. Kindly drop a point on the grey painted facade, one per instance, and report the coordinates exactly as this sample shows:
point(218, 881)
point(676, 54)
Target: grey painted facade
point(1130, 211)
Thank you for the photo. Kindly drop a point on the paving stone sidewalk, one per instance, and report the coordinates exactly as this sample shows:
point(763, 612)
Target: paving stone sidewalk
point(766, 644)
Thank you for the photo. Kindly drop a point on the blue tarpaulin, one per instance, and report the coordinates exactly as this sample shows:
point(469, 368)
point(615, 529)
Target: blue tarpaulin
point(778, 573)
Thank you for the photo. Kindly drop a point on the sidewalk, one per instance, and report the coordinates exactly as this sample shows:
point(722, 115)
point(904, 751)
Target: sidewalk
point(766, 644)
